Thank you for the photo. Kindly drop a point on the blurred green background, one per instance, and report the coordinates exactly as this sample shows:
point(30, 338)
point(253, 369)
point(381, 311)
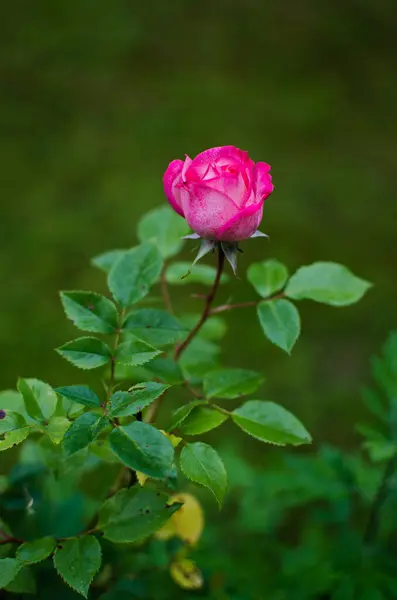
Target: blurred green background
point(97, 98)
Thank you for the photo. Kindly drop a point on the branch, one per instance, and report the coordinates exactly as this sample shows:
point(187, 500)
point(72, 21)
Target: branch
point(207, 307)
point(224, 307)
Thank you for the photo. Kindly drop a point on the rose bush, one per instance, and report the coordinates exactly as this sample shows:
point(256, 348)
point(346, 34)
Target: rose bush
point(220, 193)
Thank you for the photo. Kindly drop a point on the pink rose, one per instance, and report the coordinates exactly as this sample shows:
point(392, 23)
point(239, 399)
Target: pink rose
point(220, 193)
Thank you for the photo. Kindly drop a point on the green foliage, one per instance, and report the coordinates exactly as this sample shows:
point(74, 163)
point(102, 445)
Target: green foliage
point(203, 465)
point(90, 311)
point(77, 561)
point(280, 322)
point(9, 568)
point(271, 423)
point(107, 260)
point(81, 394)
point(177, 272)
point(202, 419)
point(86, 352)
point(182, 413)
point(39, 398)
point(268, 277)
point(81, 433)
point(125, 404)
point(164, 228)
point(157, 327)
point(134, 514)
point(326, 282)
point(36, 551)
point(23, 583)
point(144, 448)
point(134, 352)
point(231, 383)
point(132, 275)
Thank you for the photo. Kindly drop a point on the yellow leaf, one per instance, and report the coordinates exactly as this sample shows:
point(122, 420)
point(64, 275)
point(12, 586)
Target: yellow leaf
point(141, 477)
point(186, 574)
point(187, 523)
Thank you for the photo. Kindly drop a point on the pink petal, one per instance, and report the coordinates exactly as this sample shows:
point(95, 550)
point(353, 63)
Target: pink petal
point(263, 186)
point(186, 165)
point(242, 225)
point(215, 157)
point(207, 209)
point(172, 180)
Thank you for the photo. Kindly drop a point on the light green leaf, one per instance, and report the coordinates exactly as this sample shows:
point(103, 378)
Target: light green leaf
point(214, 328)
point(11, 421)
point(326, 282)
point(268, 277)
point(81, 394)
point(143, 447)
point(203, 465)
point(164, 228)
point(9, 568)
point(77, 561)
point(270, 422)
point(135, 352)
point(204, 274)
point(134, 273)
point(182, 413)
point(157, 327)
point(133, 514)
point(24, 582)
point(124, 404)
point(56, 429)
point(231, 383)
point(280, 322)
point(90, 311)
point(165, 368)
point(13, 438)
point(86, 353)
point(12, 400)
point(32, 406)
point(81, 433)
point(36, 551)
point(108, 259)
point(201, 420)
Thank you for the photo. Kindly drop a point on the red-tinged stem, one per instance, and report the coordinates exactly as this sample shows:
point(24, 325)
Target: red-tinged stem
point(225, 307)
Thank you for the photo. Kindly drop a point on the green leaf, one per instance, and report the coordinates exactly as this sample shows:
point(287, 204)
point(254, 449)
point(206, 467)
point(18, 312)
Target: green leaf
point(108, 259)
point(133, 514)
point(90, 311)
point(268, 277)
point(199, 357)
point(24, 583)
point(11, 422)
point(167, 369)
point(81, 433)
point(132, 275)
point(81, 394)
point(157, 327)
point(280, 322)
point(13, 438)
point(9, 568)
point(326, 282)
point(164, 228)
point(135, 352)
point(203, 465)
point(201, 420)
point(270, 422)
point(36, 551)
point(182, 413)
point(214, 328)
point(231, 383)
point(143, 447)
point(77, 561)
point(124, 404)
point(204, 274)
point(56, 429)
point(86, 353)
point(30, 399)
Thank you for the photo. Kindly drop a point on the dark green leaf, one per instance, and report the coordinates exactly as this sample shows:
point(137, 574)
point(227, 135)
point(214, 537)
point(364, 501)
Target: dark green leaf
point(81, 433)
point(12, 422)
point(107, 260)
point(199, 357)
point(374, 404)
point(326, 282)
point(204, 274)
point(9, 568)
point(77, 561)
point(133, 514)
point(268, 277)
point(34, 552)
point(143, 448)
point(203, 465)
point(90, 311)
point(81, 394)
point(24, 582)
point(164, 228)
point(124, 404)
point(86, 353)
point(271, 423)
point(231, 383)
point(135, 352)
point(201, 420)
point(134, 273)
point(280, 322)
point(166, 369)
point(182, 413)
point(157, 327)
